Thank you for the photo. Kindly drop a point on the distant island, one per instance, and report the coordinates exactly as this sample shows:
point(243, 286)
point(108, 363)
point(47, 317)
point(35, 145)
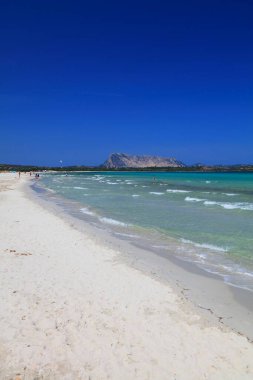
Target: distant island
point(122, 160)
point(126, 162)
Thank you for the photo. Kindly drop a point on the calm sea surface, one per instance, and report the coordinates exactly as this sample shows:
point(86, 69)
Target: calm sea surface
point(199, 217)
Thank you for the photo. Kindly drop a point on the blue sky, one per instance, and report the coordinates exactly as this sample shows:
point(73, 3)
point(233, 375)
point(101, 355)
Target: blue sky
point(79, 80)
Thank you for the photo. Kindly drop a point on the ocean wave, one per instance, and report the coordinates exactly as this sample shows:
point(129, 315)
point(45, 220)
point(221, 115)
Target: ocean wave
point(135, 195)
point(205, 245)
point(189, 199)
point(229, 194)
point(225, 205)
point(113, 222)
point(177, 191)
point(210, 203)
point(80, 188)
point(231, 206)
point(156, 193)
point(50, 190)
point(236, 270)
point(202, 256)
point(85, 210)
point(112, 183)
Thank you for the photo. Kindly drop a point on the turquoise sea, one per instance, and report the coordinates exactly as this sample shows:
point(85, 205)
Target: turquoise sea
point(206, 218)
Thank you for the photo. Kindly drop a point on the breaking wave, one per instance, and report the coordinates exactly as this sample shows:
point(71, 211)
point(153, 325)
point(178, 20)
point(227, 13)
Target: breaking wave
point(189, 199)
point(86, 211)
point(113, 222)
point(205, 245)
point(177, 191)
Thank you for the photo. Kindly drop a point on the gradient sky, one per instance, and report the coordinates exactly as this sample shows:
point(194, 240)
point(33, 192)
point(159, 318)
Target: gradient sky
point(82, 79)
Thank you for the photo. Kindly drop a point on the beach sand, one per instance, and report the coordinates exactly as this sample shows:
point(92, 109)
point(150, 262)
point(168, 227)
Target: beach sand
point(70, 309)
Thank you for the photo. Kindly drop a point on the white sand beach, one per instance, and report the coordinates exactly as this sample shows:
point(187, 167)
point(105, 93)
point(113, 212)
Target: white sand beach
point(71, 310)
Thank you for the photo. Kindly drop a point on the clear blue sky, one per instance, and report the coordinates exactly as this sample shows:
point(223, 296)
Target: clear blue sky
point(82, 79)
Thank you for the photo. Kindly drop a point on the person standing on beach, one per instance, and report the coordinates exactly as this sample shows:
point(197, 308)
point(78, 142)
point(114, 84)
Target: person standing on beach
point(19, 174)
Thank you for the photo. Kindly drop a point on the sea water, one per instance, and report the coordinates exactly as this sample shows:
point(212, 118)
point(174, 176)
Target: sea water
point(205, 218)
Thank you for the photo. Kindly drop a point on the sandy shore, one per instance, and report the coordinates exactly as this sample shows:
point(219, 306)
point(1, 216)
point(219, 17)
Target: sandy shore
point(71, 310)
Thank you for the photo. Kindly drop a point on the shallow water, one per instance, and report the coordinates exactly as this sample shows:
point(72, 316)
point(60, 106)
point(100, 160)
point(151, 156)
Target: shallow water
point(206, 218)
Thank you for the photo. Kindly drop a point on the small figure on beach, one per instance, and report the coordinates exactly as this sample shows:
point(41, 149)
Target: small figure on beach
point(19, 174)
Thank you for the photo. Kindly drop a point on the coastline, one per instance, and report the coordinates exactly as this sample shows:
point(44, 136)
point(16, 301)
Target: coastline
point(74, 306)
point(219, 301)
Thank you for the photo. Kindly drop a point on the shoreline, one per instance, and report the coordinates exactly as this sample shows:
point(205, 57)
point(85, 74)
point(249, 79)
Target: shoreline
point(211, 230)
point(74, 306)
point(220, 303)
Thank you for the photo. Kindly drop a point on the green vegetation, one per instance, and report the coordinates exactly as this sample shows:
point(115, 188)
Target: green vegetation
point(195, 168)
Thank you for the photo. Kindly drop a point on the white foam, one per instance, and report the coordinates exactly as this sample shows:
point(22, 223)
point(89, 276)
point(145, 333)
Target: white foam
point(205, 245)
point(231, 206)
point(229, 194)
point(135, 195)
point(236, 270)
point(112, 183)
point(202, 256)
point(112, 221)
point(177, 191)
point(207, 203)
point(85, 210)
point(189, 199)
point(156, 193)
point(228, 206)
point(80, 188)
point(241, 206)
